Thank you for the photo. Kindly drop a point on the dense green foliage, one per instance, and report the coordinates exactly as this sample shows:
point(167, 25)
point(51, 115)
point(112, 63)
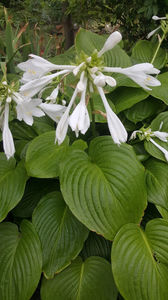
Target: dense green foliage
point(87, 219)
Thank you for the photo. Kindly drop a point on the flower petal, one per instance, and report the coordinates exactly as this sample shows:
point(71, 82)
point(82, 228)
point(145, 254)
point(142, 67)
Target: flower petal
point(8, 143)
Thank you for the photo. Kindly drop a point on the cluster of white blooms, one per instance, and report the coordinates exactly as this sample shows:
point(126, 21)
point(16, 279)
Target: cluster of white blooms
point(39, 73)
point(147, 134)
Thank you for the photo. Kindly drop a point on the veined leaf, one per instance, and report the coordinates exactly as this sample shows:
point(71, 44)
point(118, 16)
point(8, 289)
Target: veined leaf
point(160, 120)
point(89, 280)
point(161, 92)
point(20, 261)
point(156, 179)
point(62, 235)
point(126, 97)
point(140, 261)
point(12, 184)
point(144, 52)
point(105, 189)
point(88, 41)
point(43, 156)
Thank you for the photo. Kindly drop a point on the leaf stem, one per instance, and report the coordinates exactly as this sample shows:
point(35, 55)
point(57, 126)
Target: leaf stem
point(158, 47)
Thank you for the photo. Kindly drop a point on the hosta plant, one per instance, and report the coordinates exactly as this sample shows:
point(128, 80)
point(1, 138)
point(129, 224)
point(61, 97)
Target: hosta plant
point(84, 197)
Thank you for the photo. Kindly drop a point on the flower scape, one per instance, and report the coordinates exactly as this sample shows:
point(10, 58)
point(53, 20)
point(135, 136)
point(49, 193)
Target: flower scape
point(92, 76)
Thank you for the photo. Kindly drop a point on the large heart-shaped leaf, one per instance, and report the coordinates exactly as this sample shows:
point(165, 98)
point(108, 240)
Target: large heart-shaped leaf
point(12, 184)
point(157, 178)
point(88, 41)
point(144, 109)
point(161, 92)
point(160, 120)
point(140, 261)
point(125, 97)
point(144, 52)
point(20, 261)
point(89, 280)
point(62, 235)
point(105, 189)
point(43, 156)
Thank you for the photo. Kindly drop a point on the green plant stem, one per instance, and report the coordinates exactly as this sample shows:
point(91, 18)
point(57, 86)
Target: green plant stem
point(157, 49)
point(93, 117)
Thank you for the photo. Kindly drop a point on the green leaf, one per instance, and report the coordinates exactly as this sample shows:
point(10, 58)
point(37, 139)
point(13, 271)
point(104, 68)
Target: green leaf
point(89, 280)
point(140, 261)
point(163, 212)
point(102, 189)
point(12, 184)
point(43, 156)
point(20, 261)
point(22, 131)
point(96, 245)
point(156, 179)
point(144, 52)
point(144, 109)
point(161, 92)
point(88, 41)
point(43, 124)
point(126, 97)
point(162, 118)
point(62, 235)
point(35, 189)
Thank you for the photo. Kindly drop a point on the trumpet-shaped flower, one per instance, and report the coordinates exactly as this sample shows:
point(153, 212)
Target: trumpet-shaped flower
point(54, 111)
point(156, 18)
point(139, 73)
point(79, 119)
point(36, 67)
point(62, 126)
point(27, 109)
point(32, 87)
point(116, 128)
point(8, 143)
point(111, 42)
point(147, 134)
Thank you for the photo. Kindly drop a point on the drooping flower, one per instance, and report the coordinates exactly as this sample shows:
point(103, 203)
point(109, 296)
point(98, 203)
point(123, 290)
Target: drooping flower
point(8, 143)
point(147, 134)
point(90, 68)
point(79, 119)
point(139, 73)
point(32, 87)
point(27, 109)
point(54, 111)
point(36, 67)
point(116, 128)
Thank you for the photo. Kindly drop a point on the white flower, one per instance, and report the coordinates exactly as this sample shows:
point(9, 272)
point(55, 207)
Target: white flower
point(54, 111)
point(111, 42)
point(8, 143)
point(117, 130)
point(37, 67)
point(79, 119)
point(153, 32)
point(53, 95)
point(156, 18)
point(164, 151)
point(77, 69)
point(27, 109)
point(62, 126)
point(139, 73)
point(101, 80)
point(163, 136)
point(32, 87)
